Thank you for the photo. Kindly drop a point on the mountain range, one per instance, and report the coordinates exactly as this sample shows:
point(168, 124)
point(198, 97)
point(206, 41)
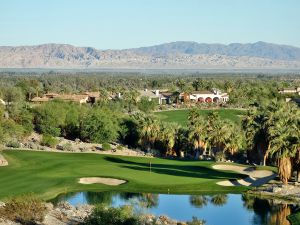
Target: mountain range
point(177, 55)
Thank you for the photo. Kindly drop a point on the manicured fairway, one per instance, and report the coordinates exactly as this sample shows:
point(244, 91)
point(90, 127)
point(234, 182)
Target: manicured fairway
point(48, 174)
point(181, 116)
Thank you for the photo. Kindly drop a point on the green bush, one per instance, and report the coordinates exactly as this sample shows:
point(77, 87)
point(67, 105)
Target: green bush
point(100, 126)
point(102, 215)
point(13, 144)
point(106, 146)
point(67, 147)
point(119, 147)
point(27, 210)
point(48, 140)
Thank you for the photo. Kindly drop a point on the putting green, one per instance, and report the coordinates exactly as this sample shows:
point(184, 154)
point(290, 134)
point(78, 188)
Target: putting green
point(48, 174)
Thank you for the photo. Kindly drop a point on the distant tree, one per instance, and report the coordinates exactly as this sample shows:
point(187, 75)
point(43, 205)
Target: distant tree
point(196, 84)
point(181, 84)
point(147, 106)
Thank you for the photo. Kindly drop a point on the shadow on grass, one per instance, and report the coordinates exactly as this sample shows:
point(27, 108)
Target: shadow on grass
point(176, 170)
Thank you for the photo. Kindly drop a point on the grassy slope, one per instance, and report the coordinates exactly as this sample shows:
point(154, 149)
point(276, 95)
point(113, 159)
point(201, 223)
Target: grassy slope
point(180, 116)
point(48, 174)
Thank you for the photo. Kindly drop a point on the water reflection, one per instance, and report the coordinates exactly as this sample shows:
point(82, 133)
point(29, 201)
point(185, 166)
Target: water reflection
point(267, 211)
point(230, 209)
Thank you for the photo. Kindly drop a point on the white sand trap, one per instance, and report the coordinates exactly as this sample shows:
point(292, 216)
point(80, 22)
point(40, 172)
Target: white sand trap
point(101, 180)
point(256, 177)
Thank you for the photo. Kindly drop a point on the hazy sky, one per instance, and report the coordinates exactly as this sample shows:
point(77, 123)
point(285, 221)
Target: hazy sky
point(133, 23)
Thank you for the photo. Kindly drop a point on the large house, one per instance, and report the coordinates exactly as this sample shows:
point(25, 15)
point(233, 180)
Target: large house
point(295, 90)
point(164, 97)
point(86, 97)
point(155, 95)
point(215, 96)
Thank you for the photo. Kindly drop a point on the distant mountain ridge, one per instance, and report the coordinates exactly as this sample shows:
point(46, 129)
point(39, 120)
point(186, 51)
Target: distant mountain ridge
point(170, 55)
point(259, 49)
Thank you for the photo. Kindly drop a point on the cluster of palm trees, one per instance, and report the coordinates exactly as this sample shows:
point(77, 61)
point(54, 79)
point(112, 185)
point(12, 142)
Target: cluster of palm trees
point(270, 133)
point(209, 135)
point(156, 134)
point(203, 135)
point(274, 131)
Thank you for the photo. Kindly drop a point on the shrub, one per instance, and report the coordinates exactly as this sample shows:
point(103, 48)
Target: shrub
point(119, 147)
point(100, 126)
point(106, 146)
point(220, 156)
point(102, 215)
point(27, 210)
point(67, 147)
point(48, 140)
point(13, 144)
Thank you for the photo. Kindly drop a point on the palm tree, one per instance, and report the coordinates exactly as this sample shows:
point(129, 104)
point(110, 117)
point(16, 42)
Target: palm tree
point(196, 84)
point(234, 139)
point(197, 132)
point(193, 116)
point(148, 131)
point(254, 133)
point(285, 139)
point(180, 83)
point(167, 135)
point(196, 136)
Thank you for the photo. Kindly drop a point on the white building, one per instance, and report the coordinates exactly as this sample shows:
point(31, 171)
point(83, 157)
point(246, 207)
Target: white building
point(209, 96)
point(295, 90)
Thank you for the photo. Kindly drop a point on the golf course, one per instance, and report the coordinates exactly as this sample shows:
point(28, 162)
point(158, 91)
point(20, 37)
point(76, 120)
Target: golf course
point(48, 174)
point(181, 116)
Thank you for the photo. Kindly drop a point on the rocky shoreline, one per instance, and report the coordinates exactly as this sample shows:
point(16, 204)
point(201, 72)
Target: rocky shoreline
point(289, 194)
point(66, 214)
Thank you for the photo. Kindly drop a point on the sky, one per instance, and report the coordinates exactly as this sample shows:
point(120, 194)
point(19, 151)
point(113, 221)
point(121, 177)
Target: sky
point(119, 24)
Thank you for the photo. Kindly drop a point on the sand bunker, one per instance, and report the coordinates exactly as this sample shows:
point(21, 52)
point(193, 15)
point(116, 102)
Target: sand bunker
point(256, 177)
point(101, 180)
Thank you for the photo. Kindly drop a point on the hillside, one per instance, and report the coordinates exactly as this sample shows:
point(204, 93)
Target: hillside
point(259, 55)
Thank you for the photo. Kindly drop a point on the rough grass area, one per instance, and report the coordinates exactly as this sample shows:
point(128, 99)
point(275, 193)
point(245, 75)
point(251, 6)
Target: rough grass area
point(181, 116)
point(294, 218)
point(48, 174)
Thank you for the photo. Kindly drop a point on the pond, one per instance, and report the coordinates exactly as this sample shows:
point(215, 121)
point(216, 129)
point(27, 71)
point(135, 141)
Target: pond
point(219, 209)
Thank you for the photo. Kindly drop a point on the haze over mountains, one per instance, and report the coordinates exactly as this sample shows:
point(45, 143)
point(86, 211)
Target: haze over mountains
point(183, 55)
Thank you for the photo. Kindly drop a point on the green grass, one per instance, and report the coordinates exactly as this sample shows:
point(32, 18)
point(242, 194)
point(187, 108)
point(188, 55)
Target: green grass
point(181, 116)
point(294, 218)
point(48, 174)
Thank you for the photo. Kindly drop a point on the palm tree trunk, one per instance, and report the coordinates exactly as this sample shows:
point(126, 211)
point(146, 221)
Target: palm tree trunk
point(297, 178)
point(266, 155)
point(285, 169)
